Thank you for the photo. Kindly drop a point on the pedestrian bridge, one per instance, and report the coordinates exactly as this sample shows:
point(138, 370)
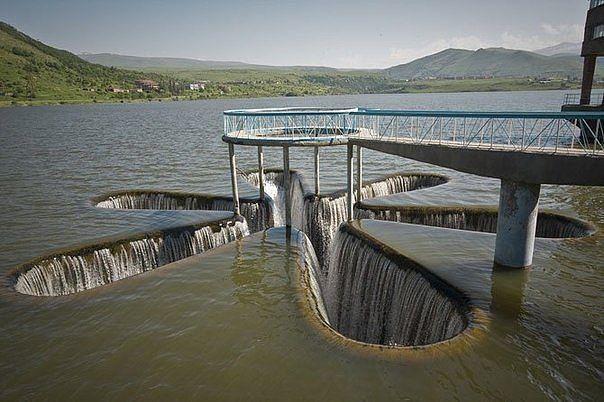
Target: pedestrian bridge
point(523, 149)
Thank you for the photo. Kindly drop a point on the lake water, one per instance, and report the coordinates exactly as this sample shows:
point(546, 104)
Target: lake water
point(229, 324)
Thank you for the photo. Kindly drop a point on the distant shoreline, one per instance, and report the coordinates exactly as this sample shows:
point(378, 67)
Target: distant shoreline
point(61, 102)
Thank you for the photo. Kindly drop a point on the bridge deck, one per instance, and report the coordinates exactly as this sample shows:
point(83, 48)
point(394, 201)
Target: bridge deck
point(502, 162)
point(552, 150)
point(530, 147)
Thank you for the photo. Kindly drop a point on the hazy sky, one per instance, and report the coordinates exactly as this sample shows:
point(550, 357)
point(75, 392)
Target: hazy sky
point(305, 32)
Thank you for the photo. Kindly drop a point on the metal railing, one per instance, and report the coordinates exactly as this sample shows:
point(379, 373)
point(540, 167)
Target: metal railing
point(596, 98)
point(289, 123)
point(545, 132)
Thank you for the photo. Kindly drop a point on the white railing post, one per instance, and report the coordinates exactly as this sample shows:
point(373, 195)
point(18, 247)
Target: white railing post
point(349, 172)
point(286, 188)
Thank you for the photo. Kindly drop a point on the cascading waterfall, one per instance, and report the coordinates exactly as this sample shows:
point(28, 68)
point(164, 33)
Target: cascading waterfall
point(259, 215)
point(549, 225)
point(401, 183)
point(320, 216)
point(274, 188)
point(153, 200)
point(371, 298)
point(323, 215)
point(89, 268)
point(358, 288)
point(312, 276)
point(375, 297)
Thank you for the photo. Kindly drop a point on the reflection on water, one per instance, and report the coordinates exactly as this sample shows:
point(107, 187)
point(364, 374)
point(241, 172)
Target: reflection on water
point(507, 292)
point(229, 324)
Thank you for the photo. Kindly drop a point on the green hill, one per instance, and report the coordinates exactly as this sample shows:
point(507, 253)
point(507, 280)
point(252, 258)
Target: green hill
point(30, 69)
point(492, 62)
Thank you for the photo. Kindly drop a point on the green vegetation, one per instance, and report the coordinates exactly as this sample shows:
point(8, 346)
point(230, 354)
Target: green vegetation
point(34, 73)
point(257, 83)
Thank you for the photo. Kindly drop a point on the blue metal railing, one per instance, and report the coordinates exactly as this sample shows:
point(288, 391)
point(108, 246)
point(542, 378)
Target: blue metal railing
point(596, 98)
point(545, 132)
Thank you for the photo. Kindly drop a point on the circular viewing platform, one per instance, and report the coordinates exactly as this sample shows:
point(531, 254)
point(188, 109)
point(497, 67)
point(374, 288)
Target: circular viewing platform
point(295, 127)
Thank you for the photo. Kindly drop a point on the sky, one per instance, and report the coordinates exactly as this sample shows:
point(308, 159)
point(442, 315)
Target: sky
point(343, 34)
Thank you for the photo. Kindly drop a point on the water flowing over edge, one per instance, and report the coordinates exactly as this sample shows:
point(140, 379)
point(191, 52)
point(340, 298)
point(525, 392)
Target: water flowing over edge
point(376, 297)
point(88, 267)
point(258, 214)
point(550, 225)
point(319, 216)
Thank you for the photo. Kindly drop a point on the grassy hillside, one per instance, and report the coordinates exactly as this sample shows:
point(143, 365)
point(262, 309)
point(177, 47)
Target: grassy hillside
point(493, 62)
point(32, 70)
point(255, 83)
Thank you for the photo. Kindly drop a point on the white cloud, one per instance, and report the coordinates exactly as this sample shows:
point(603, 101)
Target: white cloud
point(572, 32)
point(549, 35)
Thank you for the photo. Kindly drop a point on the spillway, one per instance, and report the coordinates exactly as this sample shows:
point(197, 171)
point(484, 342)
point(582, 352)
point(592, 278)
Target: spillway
point(359, 288)
point(480, 219)
point(258, 214)
point(86, 268)
point(320, 216)
point(373, 295)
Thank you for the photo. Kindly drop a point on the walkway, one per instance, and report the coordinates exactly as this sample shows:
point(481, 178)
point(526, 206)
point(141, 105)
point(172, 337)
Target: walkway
point(523, 149)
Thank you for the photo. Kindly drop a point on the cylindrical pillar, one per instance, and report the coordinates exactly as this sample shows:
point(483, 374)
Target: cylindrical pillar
point(233, 163)
point(317, 184)
point(516, 224)
point(286, 185)
point(261, 171)
point(589, 69)
point(349, 195)
point(359, 173)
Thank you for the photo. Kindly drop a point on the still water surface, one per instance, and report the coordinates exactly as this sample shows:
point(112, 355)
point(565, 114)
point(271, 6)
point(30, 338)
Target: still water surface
point(230, 324)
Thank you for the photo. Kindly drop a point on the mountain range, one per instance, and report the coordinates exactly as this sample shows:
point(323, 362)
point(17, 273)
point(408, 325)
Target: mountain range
point(491, 62)
point(559, 61)
point(175, 63)
point(142, 63)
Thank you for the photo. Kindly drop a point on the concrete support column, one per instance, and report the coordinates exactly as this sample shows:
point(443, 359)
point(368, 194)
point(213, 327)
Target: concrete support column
point(516, 224)
point(589, 68)
point(359, 173)
point(349, 170)
point(234, 187)
point(286, 185)
point(261, 171)
point(317, 183)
